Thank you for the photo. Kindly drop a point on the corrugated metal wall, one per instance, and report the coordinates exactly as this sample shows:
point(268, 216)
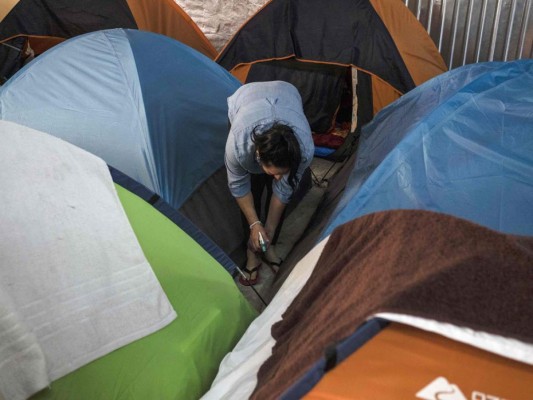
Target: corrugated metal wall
point(469, 31)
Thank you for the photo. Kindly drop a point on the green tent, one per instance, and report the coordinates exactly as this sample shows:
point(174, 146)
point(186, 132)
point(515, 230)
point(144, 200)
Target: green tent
point(178, 361)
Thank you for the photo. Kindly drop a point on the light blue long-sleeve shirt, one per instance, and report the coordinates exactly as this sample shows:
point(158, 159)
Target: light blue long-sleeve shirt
point(260, 105)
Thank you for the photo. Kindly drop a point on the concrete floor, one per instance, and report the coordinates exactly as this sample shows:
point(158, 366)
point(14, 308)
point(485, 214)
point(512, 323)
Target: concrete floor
point(292, 230)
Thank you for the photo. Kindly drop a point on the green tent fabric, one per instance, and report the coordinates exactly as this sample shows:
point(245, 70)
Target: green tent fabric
point(181, 360)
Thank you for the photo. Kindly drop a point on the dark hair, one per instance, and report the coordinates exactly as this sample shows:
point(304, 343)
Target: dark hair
point(279, 147)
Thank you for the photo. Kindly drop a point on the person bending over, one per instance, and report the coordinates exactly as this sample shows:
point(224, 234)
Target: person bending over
point(269, 147)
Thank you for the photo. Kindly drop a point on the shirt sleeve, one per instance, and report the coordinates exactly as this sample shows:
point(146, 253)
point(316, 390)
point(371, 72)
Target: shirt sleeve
point(282, 190)
point(231, 108)
point(238, 178)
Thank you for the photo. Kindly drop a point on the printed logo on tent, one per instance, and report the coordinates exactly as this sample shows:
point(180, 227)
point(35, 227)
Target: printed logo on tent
point(441, 389)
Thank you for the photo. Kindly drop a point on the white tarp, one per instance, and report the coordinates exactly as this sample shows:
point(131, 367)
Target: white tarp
point(220, 19)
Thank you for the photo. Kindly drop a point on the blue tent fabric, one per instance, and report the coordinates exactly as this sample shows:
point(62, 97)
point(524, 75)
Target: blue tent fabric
point(323, 151)
point(459, 144)
point(148, 105)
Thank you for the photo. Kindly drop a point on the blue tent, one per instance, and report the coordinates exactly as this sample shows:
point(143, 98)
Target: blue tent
point(460, 144)
point(150, 106)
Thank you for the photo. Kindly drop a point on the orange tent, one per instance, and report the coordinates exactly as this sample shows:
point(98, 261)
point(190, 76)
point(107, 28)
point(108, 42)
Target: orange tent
point(29, 28)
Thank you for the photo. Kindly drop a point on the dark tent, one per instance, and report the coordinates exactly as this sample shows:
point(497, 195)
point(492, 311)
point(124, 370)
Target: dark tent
point(30, 27)
point(347, 58)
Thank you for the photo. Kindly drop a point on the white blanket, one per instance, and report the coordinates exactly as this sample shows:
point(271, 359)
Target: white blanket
point(74, 282)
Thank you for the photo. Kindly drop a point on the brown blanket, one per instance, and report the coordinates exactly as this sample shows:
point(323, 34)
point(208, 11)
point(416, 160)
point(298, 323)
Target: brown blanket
point(414, 262)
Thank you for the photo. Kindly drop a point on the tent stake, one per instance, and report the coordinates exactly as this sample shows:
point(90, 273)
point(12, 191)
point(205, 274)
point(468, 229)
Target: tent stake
point(252, 286)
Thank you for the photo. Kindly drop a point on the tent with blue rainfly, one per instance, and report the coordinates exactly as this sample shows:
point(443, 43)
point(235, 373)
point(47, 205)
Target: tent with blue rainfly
point(151, 107)
point(67, 217)
point(461, 144)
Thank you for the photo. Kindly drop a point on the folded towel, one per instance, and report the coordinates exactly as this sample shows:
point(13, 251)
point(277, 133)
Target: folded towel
point(73, 276)
point(22, 363)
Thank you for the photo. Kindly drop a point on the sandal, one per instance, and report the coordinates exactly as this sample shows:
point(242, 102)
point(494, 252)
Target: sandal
point(249, 281)
point(274, 265)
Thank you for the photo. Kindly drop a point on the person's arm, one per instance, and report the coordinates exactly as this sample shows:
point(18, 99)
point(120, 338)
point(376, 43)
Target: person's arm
point(239, 185)
point(274, 215)
point(246, 204)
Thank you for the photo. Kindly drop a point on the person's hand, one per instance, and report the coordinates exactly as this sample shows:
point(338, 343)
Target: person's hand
point(253, 241)
point(269, 231)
